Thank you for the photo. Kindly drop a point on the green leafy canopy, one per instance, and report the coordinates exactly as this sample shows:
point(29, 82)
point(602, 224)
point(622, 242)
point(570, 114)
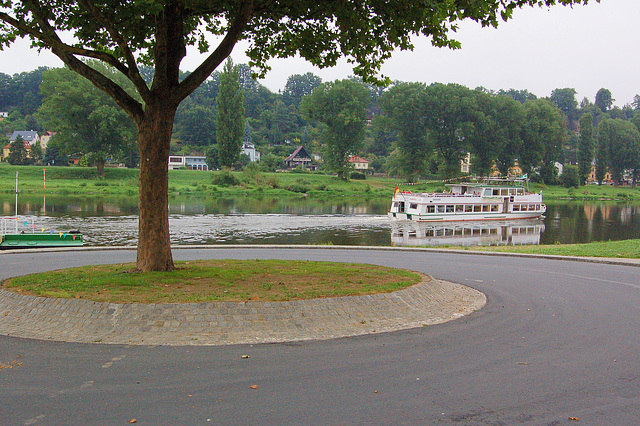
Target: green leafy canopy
point(365, 31)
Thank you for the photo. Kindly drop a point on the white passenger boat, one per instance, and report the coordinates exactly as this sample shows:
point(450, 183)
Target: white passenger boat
point(489, 199)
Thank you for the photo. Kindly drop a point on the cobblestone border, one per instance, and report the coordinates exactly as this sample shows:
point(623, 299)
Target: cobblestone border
point(222, 323)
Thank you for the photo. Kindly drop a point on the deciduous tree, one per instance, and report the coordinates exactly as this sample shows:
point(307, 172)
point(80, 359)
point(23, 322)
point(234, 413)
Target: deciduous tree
point(404, 105)
point(87, 121)
point(604, 100)
point(341, 105)
point(544, 131)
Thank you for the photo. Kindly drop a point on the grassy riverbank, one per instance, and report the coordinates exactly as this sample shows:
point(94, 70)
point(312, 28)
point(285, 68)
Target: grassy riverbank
point(216, 280)
point(616, 249)
point(83, 181)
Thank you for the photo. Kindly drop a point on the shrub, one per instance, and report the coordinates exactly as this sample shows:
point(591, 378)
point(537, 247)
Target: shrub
point(273, 182)
point(225, 178)
point(297, 187)
point(358, 176)
point(570, 177)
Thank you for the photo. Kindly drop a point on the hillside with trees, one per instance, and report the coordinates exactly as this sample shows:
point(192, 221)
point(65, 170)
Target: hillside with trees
point(410, 130)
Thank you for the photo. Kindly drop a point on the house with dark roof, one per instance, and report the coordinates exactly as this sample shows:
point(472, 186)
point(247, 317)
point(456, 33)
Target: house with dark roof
point(29, 136)
point(299, 158)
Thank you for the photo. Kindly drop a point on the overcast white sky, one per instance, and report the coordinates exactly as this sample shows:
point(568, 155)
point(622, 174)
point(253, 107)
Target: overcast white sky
point(584, 47)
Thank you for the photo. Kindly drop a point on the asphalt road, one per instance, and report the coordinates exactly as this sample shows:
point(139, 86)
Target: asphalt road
point(557, 343)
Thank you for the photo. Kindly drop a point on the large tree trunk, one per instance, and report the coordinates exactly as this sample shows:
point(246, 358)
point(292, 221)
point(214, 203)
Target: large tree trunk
point(154, 137)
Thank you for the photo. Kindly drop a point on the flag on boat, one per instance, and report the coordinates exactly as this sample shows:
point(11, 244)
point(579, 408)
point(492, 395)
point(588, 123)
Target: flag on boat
point(395, 192)
point(525, 176)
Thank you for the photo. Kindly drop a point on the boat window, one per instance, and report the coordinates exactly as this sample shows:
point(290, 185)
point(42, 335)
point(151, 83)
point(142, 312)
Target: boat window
point(431, 209)
point(520, 191)
point(477, 208)
point(459, 208)
point(468, 208)
point(488, 192)
point(449, 209)
point(512, 191)
point(494, 207)
point(413, 206)
point(532, 207)
point(485, 207)
point(496, 191)
point(516, 207)
point(537, 206)
point(440, 209)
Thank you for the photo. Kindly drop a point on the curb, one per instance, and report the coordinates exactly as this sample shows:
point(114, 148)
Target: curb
point(222, 323)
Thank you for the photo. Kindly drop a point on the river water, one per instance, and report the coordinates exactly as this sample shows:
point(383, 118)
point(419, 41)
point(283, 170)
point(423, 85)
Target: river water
point(280, 221)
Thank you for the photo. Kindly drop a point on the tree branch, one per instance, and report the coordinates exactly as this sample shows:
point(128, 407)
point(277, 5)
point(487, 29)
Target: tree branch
point(66, 53)
point(223, 50)
point(132, 71)
point(132, 107)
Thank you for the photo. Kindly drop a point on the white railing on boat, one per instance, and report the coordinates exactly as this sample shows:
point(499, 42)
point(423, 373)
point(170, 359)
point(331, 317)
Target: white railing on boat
point(6, 222)
point(435, 194)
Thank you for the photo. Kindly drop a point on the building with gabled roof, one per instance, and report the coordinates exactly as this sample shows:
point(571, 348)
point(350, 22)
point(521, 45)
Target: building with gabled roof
point(300, 157)
point(358, 162)
point(29, 136)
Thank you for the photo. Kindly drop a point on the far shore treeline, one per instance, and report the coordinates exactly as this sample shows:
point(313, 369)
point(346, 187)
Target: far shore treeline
point(412, 132)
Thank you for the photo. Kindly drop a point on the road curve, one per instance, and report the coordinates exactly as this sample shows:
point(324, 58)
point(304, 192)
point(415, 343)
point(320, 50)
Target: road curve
point(557, 342)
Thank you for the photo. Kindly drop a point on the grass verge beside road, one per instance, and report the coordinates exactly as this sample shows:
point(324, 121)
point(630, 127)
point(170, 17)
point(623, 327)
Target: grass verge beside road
point(216, 280)
point(616, 249)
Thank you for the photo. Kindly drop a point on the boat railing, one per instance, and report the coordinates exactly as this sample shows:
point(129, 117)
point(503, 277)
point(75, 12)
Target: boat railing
point(17, 225)
point(436, 194)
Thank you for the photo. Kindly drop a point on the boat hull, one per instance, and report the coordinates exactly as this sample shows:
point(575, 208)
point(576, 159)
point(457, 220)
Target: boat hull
point(15, 241)
point(464, 217)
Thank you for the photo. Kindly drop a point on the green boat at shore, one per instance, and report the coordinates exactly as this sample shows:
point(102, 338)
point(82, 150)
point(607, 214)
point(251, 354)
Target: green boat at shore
point(17, 232)
point(15, 241)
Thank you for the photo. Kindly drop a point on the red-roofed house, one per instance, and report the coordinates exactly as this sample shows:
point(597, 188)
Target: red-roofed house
point(359, 163)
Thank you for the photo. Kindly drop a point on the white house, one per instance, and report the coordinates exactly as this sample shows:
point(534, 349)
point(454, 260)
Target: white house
point(29, 136)
point(249, 149)
point(191, 162)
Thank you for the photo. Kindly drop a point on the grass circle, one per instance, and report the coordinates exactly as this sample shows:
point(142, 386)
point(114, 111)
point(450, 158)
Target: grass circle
point(216, 280)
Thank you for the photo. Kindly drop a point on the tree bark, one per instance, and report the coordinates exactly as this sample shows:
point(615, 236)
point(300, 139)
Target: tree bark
point(154, 137)
point(100, 168)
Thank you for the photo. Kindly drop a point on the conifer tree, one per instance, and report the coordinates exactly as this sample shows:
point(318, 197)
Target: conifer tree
point(230, 121)
point(585, 147)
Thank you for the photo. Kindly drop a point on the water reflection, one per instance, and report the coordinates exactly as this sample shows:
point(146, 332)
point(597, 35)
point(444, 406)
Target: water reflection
point(206, 220)
point(522, 232)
